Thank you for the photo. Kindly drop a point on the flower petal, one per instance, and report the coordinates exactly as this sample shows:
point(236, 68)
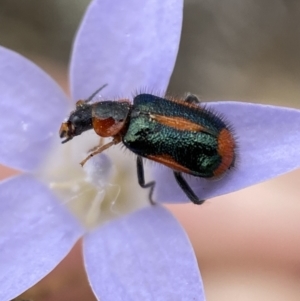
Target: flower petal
point(36, 233)
point(144, 256)
point(129, 45)
point(32, 107)
point(268, 145)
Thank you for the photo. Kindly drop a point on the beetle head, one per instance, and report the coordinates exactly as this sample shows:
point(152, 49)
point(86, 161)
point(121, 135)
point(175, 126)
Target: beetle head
point(80, 120)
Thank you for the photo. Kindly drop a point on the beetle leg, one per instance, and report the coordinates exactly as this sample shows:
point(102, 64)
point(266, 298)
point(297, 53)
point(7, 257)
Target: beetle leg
point(191, 98)
point(187, 189)
point(97, 146)
point(141, 178)
point(100, 149)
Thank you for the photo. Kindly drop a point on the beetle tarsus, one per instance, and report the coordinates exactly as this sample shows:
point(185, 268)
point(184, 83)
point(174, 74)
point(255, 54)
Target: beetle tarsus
point(187, 189)
point(191, 98)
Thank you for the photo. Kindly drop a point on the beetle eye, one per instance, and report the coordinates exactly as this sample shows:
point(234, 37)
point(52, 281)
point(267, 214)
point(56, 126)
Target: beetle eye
point(75, 120)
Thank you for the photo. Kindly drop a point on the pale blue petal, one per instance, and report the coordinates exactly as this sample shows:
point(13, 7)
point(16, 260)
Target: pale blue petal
point(144, 256)
point(32, 108)
point(130, 45)
point(36, 233)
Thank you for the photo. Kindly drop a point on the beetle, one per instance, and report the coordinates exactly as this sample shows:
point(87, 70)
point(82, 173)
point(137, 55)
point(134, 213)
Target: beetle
point(178, 133)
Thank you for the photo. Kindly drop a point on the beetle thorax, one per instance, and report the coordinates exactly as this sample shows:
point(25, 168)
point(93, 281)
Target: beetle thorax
point(110, 117)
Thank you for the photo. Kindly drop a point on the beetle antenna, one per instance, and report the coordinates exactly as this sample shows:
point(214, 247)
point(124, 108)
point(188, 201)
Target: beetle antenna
point(95, 93)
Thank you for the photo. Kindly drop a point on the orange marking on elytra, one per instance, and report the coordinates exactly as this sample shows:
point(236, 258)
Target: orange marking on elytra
point(226, 146)
point(168, 161)
point(180, 123)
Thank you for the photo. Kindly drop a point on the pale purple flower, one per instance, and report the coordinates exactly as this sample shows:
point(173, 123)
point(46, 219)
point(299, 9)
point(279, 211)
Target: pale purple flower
point(145, 255)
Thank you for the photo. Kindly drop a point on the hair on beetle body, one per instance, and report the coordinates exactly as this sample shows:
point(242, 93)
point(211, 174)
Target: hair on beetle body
point(181, 134)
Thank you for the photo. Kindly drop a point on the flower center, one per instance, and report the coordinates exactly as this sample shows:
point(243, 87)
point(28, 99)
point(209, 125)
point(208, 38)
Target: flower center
point(105, 188)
